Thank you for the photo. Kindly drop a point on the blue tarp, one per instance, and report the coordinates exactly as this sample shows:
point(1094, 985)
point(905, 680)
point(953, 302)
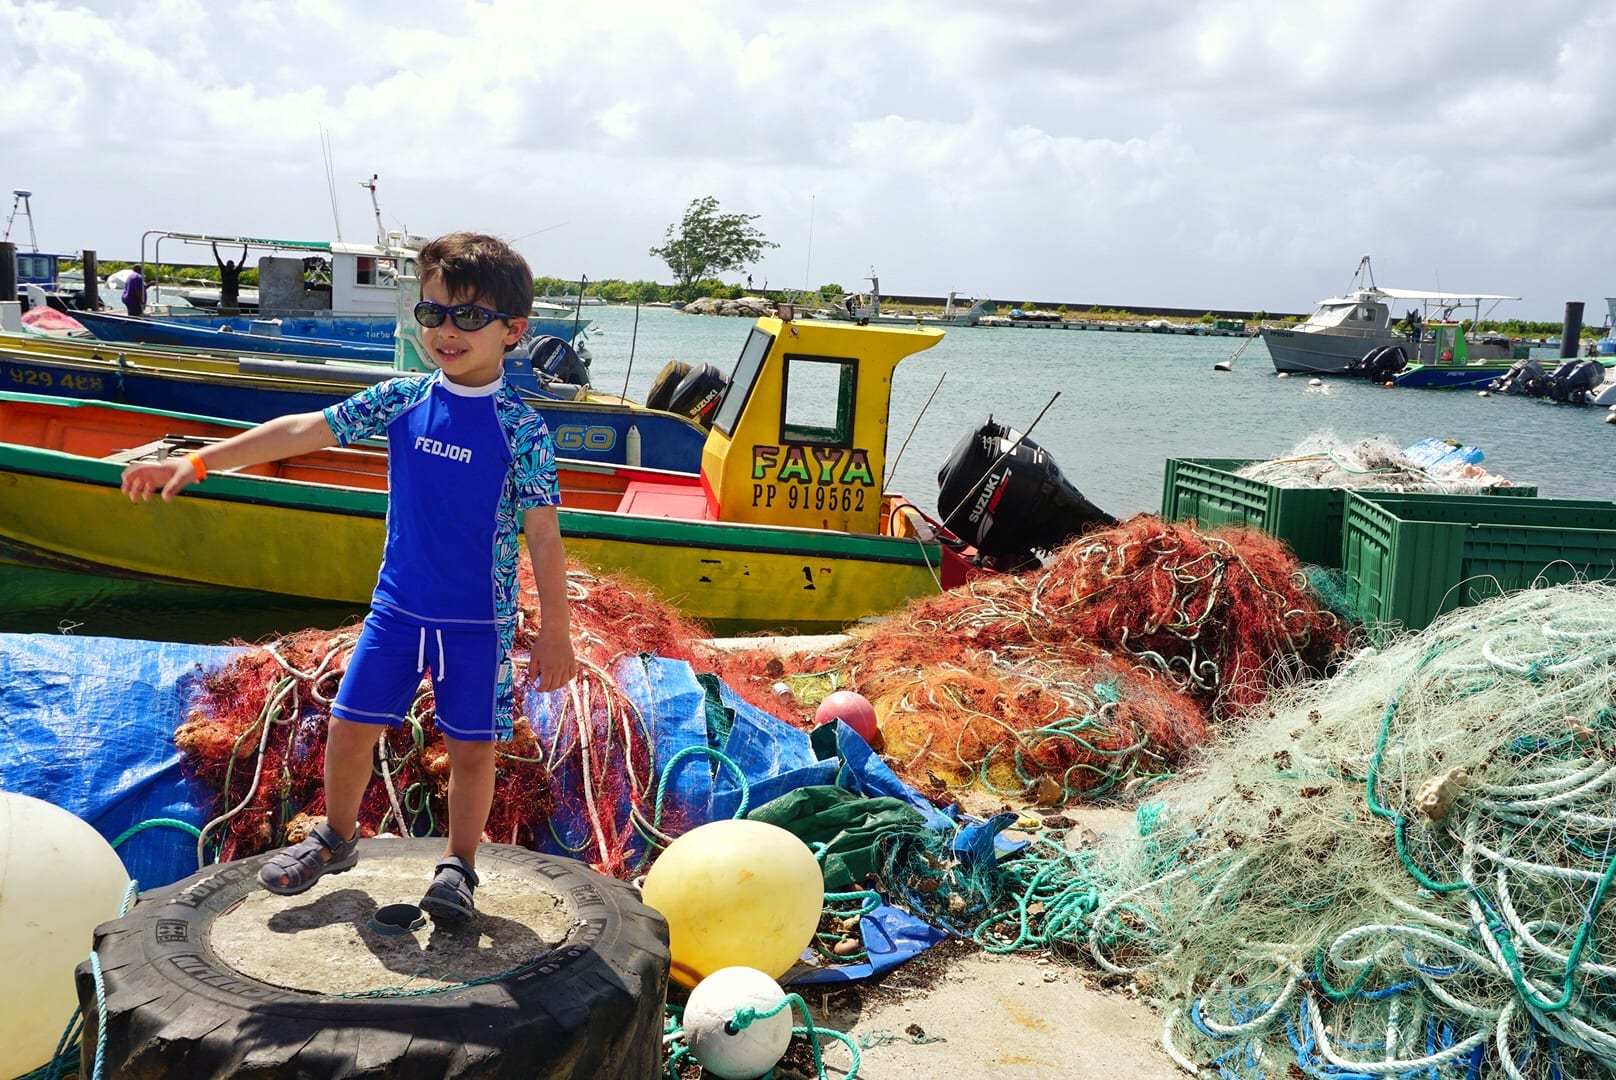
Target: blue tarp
point(88, 723)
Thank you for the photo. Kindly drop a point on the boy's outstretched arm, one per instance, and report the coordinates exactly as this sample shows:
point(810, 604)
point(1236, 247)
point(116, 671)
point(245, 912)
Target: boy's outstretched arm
point(283, 437)
point(553, 664)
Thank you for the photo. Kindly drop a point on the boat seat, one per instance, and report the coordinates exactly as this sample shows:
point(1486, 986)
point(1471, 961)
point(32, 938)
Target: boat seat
point(160, 448)
point(650, 498)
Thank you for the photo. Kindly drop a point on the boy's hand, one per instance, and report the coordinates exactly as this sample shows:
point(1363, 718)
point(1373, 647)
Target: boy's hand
point(168, 476)
point(552, 664)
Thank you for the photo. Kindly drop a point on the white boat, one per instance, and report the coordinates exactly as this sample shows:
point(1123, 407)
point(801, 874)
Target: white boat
point(1606, 346)
point(865, 308)
point(1346, 328)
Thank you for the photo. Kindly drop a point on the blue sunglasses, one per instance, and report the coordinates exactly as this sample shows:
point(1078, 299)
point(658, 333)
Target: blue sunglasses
point(468, 317)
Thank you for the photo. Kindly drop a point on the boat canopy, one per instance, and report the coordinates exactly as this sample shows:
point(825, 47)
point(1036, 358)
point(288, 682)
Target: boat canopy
point(250, 241)
point(1440, 297)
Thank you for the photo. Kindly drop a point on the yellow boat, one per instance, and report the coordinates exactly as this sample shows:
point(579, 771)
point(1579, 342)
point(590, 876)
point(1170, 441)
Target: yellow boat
point(785, 528)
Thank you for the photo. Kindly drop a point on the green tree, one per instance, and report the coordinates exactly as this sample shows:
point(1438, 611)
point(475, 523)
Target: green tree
point(707, 242)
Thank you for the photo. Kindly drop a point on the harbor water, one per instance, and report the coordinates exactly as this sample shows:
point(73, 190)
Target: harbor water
point(1126, 402)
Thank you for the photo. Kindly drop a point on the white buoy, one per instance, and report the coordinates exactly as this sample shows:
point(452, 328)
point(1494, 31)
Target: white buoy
point(1610, 418)
point(750, 1051)
point(1315, 382)
point(1283, 375)
point(58, 880)
point(1483, 393)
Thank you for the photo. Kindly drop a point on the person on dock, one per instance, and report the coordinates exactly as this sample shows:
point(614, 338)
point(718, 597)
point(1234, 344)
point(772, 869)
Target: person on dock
point(468, 462)
point(134, 292)
point(230, 278)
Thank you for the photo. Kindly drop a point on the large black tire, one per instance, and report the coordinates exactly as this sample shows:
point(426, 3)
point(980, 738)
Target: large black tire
point(666, 382)
point(592, 1007)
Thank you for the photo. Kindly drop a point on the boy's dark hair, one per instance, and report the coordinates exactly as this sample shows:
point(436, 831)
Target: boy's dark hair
point(478, 267)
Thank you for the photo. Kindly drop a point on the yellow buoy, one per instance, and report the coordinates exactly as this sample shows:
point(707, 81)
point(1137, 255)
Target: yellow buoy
point(58, 879)
point(736, 894)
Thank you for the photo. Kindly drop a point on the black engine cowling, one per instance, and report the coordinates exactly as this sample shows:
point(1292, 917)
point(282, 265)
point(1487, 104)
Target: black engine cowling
point(1011, 504)
point(1575, 380)
point(556, 360)
point(1524, 377)
point(691, 390)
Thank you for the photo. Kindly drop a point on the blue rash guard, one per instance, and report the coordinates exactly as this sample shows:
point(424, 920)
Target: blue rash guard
point(463, 464)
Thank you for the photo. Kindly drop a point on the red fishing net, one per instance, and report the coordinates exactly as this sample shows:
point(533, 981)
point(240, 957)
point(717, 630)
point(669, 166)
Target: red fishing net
point(1099, 669)
point(256, 737)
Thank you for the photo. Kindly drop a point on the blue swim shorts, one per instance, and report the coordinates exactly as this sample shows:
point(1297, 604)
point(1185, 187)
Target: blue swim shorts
point(472, 678)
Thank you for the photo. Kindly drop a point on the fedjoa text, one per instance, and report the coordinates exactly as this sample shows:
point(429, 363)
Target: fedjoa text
point(442, 449)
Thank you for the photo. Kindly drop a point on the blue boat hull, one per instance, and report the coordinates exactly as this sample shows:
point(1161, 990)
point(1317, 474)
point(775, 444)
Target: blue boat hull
point(1449, 377)
point(584, 431)
point(122, 328)
point(356, 329)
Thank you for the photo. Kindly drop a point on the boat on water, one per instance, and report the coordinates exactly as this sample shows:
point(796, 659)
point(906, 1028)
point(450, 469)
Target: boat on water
point(786, 526)
point(590, 426)
point(1606, 346)
point(865, 309)
point(1345, 329)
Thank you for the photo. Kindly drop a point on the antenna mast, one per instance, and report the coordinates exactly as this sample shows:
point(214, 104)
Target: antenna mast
point(19, 196)
point(330, 178)
point(370, 186)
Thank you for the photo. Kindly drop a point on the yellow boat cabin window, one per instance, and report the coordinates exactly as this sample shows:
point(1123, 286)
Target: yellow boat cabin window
point(819, 396)
point(753, 353)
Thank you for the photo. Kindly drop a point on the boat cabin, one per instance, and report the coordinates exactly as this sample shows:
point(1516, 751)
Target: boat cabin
point(301, 277)
point(799, 438)
point(1355, 311)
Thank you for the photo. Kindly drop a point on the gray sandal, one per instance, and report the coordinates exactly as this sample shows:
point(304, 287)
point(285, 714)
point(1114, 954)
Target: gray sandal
point(449, 898)
point(295, 869)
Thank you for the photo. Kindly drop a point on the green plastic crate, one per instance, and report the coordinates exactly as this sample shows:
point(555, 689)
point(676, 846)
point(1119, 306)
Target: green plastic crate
point(1308, 519)
point(1410, 558)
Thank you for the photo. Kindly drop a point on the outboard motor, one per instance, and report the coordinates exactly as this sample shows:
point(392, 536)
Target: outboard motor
point(1575, 381)
point(1379, 365)
point(692, 391)
point(1011, 504)
point(1524, 377)
point(555, 360)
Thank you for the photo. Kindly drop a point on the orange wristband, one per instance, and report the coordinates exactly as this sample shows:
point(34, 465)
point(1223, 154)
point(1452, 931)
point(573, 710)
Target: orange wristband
point(196, 463)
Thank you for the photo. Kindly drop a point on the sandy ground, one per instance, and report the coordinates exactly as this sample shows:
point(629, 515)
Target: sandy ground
point(1026, 1016)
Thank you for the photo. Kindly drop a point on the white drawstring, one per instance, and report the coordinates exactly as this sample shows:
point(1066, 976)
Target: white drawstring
point(440, 669)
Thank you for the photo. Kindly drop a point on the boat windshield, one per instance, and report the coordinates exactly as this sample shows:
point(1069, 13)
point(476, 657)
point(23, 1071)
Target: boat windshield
point(1357, 314)
point(746, 372)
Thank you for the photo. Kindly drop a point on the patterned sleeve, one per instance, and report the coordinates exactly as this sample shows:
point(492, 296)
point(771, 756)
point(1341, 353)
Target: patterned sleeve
point(367, 414)
point(534, 464)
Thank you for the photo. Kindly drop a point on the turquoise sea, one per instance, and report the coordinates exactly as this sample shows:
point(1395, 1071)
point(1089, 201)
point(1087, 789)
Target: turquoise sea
point(1126, 403)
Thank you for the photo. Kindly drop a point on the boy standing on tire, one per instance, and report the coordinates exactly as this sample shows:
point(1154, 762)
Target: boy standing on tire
point(468, 462)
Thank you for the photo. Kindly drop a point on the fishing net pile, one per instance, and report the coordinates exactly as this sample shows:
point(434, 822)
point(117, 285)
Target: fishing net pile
point(1403, 871)
point(1323, 460)
point(256, 736)
point(1091, 675)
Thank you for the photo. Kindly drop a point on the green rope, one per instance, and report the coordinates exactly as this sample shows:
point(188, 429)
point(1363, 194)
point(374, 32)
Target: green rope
point(154, 823)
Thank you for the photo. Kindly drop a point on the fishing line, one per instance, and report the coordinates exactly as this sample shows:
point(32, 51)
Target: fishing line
point(893, 472)
point(634, 337)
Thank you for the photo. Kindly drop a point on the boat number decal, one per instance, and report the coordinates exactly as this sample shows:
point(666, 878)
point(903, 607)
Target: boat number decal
point(577, 437)
point(811, 477)
point(29, 377)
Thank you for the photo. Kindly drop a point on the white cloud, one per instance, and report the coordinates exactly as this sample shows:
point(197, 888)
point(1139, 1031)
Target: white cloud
point(1216, 154)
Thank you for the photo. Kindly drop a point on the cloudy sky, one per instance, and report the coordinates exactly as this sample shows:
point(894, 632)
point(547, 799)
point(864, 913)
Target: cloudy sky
point(1230, 154)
